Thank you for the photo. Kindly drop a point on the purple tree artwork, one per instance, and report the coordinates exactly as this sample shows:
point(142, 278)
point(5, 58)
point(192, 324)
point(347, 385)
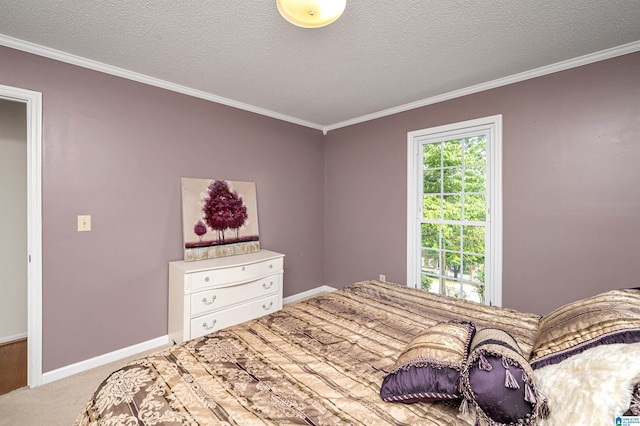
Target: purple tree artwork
point(200, 229)
point(227, 209)
point(224, 209)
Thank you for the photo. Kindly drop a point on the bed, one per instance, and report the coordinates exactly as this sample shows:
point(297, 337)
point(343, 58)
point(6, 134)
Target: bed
point(326, 360)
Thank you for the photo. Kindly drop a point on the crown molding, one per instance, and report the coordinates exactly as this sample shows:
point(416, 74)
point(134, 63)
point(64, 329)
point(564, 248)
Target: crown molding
point(69, 58)
point(141, 78)
point(526, 75)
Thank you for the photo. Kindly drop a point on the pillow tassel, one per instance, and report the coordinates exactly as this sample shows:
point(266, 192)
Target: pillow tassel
point(543, 409)
point(483, 364)
point(509, 381)
point(464, 407)
point(460, 384)
point(529, 395)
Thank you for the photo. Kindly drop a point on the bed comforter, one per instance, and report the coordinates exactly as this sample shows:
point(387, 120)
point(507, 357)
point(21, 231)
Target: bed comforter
point(317, 362)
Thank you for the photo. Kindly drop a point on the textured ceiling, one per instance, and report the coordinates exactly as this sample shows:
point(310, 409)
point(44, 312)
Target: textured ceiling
point(378, 56)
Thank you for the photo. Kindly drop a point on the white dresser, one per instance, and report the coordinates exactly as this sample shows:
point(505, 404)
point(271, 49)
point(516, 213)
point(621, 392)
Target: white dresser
point(208, 295)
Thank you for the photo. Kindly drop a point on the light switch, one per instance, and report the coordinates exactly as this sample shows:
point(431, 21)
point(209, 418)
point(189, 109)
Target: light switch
point(84, 223)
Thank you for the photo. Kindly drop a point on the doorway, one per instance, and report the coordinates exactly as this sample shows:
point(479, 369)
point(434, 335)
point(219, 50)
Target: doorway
point(32, 103)
point(13, 245)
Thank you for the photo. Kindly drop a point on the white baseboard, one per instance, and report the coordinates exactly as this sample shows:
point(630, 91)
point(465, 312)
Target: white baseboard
point(12, 338)
point(306, 294)
point(61, 373)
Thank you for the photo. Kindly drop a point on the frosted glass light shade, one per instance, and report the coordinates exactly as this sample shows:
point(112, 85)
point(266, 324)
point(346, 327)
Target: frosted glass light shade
point(311, 13)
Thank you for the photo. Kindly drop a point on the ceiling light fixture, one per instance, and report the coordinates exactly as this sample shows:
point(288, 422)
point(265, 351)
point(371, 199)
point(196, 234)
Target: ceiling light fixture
point(311, 13)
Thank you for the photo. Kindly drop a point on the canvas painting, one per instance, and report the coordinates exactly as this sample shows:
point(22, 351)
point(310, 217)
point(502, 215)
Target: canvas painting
point(220, 218)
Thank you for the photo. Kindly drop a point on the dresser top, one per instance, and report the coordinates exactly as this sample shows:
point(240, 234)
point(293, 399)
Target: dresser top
point(225, 261)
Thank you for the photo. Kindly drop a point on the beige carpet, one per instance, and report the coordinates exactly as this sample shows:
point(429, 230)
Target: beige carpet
point(57, 403)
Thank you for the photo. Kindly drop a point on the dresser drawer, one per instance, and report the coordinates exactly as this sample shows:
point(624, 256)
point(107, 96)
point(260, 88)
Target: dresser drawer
point(211, 294)
point(218, 298)
point(235, 274)
point(224, 318)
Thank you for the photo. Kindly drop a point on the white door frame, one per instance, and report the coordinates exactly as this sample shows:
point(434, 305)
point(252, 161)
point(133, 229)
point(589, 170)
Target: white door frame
point(33, 101)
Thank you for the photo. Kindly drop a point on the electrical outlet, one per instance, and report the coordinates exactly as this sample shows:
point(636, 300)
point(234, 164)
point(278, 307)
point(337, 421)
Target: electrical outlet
point(382, 278)
point(84, 223)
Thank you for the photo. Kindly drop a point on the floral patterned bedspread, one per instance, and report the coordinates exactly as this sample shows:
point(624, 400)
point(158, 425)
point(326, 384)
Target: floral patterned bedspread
point(317, 362)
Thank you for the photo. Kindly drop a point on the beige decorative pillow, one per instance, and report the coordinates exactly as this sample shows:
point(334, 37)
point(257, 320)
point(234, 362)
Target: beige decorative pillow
point(611, 317)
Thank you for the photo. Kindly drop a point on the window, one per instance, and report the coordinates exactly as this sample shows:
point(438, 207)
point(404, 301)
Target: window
point(454, 242)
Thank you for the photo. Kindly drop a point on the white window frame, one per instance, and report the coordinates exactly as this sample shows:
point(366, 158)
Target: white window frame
point(492, 127)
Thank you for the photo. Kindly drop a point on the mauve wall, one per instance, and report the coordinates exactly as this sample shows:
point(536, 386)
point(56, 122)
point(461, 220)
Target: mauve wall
point(335, 205)
point(571, 172)
point(116, 149)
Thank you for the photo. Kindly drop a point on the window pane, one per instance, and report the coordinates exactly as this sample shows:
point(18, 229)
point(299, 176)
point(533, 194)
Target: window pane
point(452, 289)
point(474, 179)
point(475, 150)
point(451, 237)
point(431, 261)
point(473, 268)
point(452, 207)
point(473, 239)
point(431, 181)
point(453, 180)
point(475, 208)
point(431, 207)
point(474, 292)
point(430, 283)
point(467, 291)
point(452, 155)
point(430, 236)
point(431, 155)
point(452, 264)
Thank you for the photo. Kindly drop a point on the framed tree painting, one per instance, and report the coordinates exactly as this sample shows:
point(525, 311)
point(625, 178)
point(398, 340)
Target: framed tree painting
point(220, 218)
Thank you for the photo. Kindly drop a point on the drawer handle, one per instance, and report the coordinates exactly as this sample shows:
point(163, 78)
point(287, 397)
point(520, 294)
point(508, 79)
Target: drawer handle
point(265, 307)
point(206, 302)
point(244, 268)
point(206, 279)
point(267, 287)
point(209, 327)
point(271, 266)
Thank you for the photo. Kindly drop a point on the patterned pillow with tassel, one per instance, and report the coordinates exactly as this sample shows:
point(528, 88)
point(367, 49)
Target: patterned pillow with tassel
point(497, 382)
point(428, 369)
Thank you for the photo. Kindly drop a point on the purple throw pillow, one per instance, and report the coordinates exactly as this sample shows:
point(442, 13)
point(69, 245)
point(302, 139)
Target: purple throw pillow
point(428, 369)
point(498, 382)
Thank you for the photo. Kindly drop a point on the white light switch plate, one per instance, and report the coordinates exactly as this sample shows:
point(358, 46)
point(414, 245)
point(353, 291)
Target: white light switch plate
point(84, 223)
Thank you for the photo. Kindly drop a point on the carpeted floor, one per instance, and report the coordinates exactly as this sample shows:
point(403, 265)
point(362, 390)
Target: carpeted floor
point(57, 403)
